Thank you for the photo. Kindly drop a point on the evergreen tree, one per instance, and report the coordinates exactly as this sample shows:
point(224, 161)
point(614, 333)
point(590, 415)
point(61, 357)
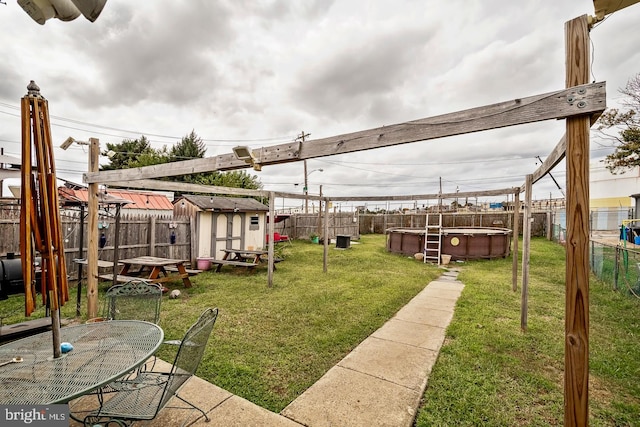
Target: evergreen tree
point(138, 153)
point(132, 153)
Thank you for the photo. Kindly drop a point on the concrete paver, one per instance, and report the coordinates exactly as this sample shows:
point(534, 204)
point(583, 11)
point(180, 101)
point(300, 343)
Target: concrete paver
point(380, 383)
point(343, 397)
point(412, 333)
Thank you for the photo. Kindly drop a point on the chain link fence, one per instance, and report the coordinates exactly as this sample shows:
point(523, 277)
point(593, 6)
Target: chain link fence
point(617, 264)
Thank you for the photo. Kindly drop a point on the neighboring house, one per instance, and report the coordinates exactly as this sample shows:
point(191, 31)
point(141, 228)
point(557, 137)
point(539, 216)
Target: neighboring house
point(609, 191)
point(140, 202)
point(224, 222)
point(611, 197)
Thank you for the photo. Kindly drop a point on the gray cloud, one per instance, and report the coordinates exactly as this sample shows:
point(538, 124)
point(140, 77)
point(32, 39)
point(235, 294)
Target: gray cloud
point(361, 78)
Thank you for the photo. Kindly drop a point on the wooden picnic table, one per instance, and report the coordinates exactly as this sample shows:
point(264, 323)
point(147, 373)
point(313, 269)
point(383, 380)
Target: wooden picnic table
point(239, 258)
point(152, 269)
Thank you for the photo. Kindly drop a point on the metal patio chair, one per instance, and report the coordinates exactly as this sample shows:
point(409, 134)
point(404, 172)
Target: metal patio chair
point(133, 300)
point(143, 397)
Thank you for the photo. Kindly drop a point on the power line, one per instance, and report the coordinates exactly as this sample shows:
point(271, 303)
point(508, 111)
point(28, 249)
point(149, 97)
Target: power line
point(135, 132)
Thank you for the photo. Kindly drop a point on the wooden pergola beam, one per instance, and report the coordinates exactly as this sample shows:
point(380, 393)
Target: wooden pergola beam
point(588, 98)
point(432, 196)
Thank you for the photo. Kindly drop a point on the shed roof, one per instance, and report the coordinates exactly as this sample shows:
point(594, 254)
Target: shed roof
point(224, 204)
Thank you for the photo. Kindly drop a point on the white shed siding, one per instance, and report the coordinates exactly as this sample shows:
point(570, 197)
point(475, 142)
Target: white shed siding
point(204, 238)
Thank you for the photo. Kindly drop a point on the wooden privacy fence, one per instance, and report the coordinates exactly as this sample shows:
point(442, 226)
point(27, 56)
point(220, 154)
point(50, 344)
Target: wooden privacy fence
point(301, 226)
point(139, 235)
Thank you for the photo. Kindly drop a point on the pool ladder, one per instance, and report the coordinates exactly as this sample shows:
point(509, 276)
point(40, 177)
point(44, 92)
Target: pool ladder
point(433, 240)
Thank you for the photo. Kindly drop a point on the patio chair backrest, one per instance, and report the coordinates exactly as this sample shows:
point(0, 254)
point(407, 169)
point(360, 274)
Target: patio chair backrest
point(190, 353)
point(134, 300)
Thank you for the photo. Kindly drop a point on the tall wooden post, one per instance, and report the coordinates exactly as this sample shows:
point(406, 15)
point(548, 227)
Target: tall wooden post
point(320, 213)
point(306, 183)
point(271, 226)
point(526, 252)
point(325, 255)
point(516, 233)
point(80, 256)
point(576, 353)
point(92, 225)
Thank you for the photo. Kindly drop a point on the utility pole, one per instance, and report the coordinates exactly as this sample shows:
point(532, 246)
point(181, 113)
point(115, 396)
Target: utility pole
point(306, 188)
point(440, 198)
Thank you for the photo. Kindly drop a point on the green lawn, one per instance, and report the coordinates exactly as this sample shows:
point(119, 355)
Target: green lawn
point(270, 344)
point(491, 373)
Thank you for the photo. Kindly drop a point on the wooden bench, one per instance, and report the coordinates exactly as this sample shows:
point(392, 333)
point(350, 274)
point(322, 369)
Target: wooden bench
point(190, 272)
point(30, 327)
point(123, 279)
point(221, 262)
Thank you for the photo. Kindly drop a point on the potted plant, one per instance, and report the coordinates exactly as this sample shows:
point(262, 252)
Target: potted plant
point(314, 238)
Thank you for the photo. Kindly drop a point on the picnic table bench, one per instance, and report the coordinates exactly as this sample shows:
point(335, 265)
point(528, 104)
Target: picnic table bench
point(189, 271)
point(121, 278)
point(239, 258)
point(220, 262)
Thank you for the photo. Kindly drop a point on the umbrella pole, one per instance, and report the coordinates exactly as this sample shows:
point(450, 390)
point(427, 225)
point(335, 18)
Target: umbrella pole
point(55, 328)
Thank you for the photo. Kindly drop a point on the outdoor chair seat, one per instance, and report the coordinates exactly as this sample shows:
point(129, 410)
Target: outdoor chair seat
point(142, 397)
point(279, 238)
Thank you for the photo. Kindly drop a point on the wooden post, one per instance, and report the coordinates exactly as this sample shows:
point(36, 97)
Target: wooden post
point(152, 236)
point(516, 233)
point(325, 255)
point(306, 189)
point(272, 220)
point(116, 245)
point(80, 266)
point(92, 225)
point(576, 356)
point(320, 213)
point(616, 268)
point(526, 252)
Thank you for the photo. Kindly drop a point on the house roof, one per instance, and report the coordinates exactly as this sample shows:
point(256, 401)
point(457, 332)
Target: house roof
point(224, 204)
point(129, 199)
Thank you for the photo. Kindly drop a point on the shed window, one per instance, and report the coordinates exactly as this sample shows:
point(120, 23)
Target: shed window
point(255, 222)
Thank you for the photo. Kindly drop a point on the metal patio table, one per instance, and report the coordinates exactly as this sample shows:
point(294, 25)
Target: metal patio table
point(102, 352)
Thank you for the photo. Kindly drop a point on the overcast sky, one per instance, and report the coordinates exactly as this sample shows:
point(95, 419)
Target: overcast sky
point(259, 73)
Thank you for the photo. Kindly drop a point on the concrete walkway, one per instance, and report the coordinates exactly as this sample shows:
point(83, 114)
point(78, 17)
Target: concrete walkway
point(380, 383)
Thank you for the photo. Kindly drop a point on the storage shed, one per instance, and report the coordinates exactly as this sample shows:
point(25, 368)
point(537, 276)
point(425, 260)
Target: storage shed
point(224, 222)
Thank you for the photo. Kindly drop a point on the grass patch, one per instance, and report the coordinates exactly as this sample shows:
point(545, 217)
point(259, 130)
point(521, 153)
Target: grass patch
point(491, 373)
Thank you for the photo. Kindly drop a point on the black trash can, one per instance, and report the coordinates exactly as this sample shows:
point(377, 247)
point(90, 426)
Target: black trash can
point(343, 241)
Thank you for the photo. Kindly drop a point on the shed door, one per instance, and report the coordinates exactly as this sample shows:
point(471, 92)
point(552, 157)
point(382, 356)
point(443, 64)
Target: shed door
point(229, 232)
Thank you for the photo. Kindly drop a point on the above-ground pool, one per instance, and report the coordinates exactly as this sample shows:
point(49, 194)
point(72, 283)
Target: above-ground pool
point(462, 243)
